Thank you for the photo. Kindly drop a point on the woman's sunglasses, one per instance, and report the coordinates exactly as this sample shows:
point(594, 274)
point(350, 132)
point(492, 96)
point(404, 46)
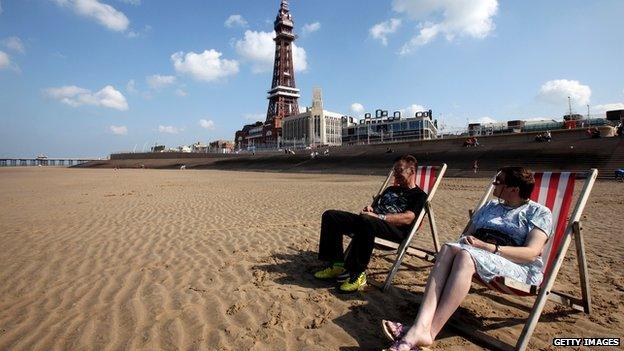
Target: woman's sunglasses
point(498, 181)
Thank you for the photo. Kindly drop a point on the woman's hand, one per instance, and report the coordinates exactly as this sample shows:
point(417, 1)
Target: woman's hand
point(479, 244)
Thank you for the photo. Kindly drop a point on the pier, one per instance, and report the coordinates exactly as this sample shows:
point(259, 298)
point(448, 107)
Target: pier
point(37, 161)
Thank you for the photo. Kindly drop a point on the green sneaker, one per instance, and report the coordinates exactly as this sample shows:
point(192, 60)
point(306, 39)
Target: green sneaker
point(343, 277)
point(329, 272)
point(353, 284)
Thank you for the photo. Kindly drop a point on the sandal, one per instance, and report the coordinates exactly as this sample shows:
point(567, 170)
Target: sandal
point(393, 330)
point(399, 343)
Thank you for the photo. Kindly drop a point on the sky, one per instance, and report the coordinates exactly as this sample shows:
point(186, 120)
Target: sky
point(86, 78)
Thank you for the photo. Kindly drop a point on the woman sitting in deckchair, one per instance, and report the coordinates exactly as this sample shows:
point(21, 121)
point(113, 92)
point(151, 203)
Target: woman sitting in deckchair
point(505, 239)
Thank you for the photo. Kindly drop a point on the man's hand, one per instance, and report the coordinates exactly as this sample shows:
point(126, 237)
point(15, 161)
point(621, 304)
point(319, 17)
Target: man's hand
point(367, 209)
point(372, 214)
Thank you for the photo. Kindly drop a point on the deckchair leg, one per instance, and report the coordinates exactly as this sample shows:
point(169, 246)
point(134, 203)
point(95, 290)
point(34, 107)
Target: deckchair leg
point(542, 297)
point(582, 262)
point(396, 265)
point(432, 225)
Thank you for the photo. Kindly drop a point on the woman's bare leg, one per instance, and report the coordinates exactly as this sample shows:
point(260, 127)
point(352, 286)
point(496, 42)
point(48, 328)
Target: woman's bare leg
point(420, 333)
point(455, 290)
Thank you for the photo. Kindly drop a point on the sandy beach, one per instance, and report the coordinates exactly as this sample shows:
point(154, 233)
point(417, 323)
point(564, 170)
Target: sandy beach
point(97, 259)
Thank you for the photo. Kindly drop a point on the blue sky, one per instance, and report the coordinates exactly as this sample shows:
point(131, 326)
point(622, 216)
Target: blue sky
point(91, 77)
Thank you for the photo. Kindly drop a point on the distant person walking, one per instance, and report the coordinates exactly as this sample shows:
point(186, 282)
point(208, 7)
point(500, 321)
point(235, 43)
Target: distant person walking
point(475, 166)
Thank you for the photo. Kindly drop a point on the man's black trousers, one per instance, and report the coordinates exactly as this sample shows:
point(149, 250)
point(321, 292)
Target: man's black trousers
point(362, 228)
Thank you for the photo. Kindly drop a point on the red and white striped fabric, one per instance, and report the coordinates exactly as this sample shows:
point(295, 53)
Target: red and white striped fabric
point(555, 191)
point(425, 177)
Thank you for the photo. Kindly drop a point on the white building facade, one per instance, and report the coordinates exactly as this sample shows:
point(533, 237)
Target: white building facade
point(384, 129)
point(314, 127)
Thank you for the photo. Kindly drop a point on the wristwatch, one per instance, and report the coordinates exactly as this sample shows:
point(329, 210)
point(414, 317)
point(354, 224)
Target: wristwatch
point(382, 217)
point(497, 249)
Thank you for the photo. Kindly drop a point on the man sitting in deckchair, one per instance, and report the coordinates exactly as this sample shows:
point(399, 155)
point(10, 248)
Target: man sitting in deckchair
point(389, 217)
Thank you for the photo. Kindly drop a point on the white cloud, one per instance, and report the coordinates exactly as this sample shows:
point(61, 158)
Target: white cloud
point(556, 92)
point(483, 120)
point(470, 18)
point(381, 30)
point(357, 108)
point(169, 129)
point(254, 116)
point(181, 92)
point(206, 124)
point(235, 21)
point(131, 2)
point(607, 107)
point(139, 33)
point(119, 130)
point(300, 59)
point(59, 55)
point(5, 60)
point(310, 28)
point(207, 66)
point(157, 81)
point(105, 14)
point(258, 48)
point(76, 96)
point(411, 110)
point(14, 43)
point(131, 87)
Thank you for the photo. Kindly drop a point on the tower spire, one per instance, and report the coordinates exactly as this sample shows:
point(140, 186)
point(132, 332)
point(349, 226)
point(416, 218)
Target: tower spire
point(284, 5)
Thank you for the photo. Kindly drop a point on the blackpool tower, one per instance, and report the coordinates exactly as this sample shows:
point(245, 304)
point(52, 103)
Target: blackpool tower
point(284, 94)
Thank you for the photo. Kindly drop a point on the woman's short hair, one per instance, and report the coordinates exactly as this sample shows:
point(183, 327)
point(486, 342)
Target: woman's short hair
point(519, 177)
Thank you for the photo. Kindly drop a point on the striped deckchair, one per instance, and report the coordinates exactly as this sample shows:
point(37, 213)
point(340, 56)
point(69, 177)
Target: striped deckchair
point(555, 191)
point(428, 179)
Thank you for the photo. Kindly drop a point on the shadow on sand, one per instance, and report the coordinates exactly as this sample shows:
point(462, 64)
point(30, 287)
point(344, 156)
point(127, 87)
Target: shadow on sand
point(369, 306)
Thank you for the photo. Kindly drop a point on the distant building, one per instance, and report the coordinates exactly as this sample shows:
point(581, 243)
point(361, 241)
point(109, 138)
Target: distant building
point(488, 128)
point(533, 125)
point(184, 148)
point(615, 115)
point(348, 121)
point(314, 127)
point(383, 128)
point(221, 146)
point(199, 147)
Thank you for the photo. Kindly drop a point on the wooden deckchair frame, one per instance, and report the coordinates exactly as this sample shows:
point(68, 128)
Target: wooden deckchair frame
point(404, 247)
point(544, 292)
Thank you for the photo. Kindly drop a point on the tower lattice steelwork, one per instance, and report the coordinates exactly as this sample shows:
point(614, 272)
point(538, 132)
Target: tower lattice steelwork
point(283, 95)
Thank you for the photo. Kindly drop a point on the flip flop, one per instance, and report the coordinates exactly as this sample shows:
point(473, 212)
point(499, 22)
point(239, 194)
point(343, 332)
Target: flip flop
point(400, 343)
point(417, 348)
point(393, 330)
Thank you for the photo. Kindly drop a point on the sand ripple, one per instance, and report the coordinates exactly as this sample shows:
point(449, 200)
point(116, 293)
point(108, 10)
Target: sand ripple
point(211, 260)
